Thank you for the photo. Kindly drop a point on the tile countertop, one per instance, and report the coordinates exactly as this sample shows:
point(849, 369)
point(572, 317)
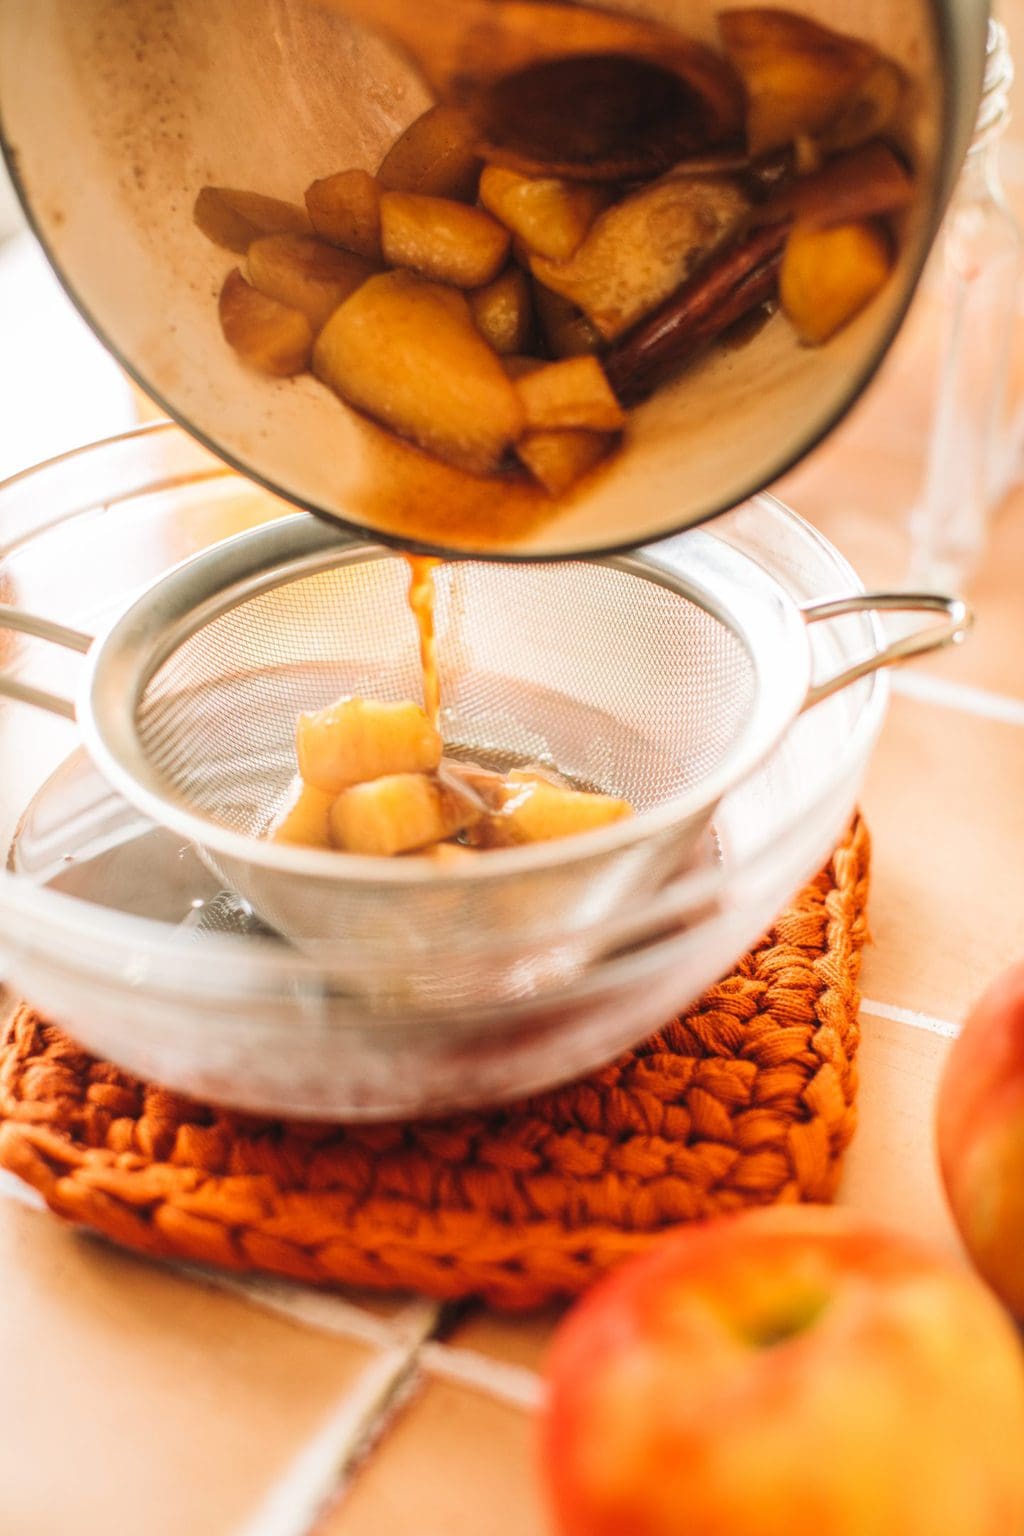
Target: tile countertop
point(136, 1397)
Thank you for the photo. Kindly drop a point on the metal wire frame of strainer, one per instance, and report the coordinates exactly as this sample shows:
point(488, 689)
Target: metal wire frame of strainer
point(663, 676)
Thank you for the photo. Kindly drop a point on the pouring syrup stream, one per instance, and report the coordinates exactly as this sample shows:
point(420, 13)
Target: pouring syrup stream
point(421, 601)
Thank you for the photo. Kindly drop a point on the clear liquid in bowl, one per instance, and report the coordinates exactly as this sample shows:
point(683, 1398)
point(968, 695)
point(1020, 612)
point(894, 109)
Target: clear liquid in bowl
point(79, 837)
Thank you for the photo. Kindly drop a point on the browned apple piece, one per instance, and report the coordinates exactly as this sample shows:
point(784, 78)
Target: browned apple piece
point(870, 110)
point(829, 275)
point(558, 459)
point(354, 740)
point(266, 334)
point(235, 219)
point(861, 184)
point(407, 353)
point(517, 364)
point(641, 249)
point(566, 329)
point(536, 811)
point(398, 814)
point(345, 209)
point(452, 857)
point(442, 239)
point(803, 78)
point(305, 818)
point(550, 216)
point(305, 273)
point(601, 115)
point(485, 787)
point(436, 155)
point(571, 393)
point(503, 311)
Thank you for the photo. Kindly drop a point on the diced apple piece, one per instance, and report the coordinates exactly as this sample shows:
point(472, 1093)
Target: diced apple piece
point(235, 219)
point(267, 335)
point(442, 239)
point(305, 273)
point(829, 275)
point(407, 352)
point(359, 739)
point(641, 249)
point(452, 856)
point(862, 184)
point(345, 209)
point(536, 811)
point(436, 155)
point(517, 365)
point(566, 328)
point(558, 459)
point(503, 311)
point(870, 110)
point(803, 78)
point(550, 216)
point(305, 819)
point(397, 814)
point(486, 788)
point(571, 393)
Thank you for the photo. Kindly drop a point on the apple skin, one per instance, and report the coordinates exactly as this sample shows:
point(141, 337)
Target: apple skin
point(786, 1372)
point(980, 1128)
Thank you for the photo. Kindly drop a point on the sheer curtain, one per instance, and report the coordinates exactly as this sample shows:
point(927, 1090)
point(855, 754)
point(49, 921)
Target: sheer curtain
point(58, 388)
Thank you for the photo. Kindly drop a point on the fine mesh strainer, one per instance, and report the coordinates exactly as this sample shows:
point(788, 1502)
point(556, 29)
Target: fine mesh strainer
point(663, 676)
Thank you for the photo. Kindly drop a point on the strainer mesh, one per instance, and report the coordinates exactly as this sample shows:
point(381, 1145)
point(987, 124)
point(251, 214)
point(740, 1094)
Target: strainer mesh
point(619, 683)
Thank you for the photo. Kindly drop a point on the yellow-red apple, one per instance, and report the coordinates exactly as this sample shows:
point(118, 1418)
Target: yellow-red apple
point(789, 1372)
point(981, 1136)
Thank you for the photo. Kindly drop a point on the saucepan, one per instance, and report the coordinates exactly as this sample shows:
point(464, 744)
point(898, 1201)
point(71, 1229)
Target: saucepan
point(114, 116)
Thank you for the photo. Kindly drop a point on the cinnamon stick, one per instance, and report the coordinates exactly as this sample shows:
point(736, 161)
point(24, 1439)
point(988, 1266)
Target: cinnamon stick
point(695, 315)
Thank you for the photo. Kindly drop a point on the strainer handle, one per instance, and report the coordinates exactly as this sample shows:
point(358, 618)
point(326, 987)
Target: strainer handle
point(957, 619)
point(42, 629)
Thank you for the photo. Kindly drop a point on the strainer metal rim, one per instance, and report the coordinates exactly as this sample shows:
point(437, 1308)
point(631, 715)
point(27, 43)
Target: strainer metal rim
point(731, 586)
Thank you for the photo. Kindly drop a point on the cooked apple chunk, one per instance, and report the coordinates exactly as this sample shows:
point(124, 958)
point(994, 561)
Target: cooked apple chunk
point(829, 275)
point(872, 109)
point(407, 352)
point(305, 819)
point(305, 273)
point(862, 184)
point(268, 335)
point(483, 786)
point(536, 811)
point(565, 328)
point(550, 216)
point(436, 155)
point(442, 239)
point(804, 79)
point(503, 311)
point(452, 857)
point(571, 393)
point(641, 249)
point(556, 460)
point(398, 814)
point(345, 209)
point(359, 739)
point(234, 219)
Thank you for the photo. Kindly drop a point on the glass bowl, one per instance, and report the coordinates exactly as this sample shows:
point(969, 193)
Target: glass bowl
point(116, 930)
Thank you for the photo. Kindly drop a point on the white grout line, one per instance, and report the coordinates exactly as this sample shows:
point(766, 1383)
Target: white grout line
point(317, 1474)
point(12, 1188)
point(512, 1384)
point(980, 702)
point(326, 1311)
point(910, 1016)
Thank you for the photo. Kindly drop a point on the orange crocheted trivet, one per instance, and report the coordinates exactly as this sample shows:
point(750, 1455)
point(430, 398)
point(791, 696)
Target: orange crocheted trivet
point(747, 1098)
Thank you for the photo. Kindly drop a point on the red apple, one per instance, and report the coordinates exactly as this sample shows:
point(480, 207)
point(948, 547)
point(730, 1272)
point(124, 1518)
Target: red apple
point(981, 1136)
point(788, 1372)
